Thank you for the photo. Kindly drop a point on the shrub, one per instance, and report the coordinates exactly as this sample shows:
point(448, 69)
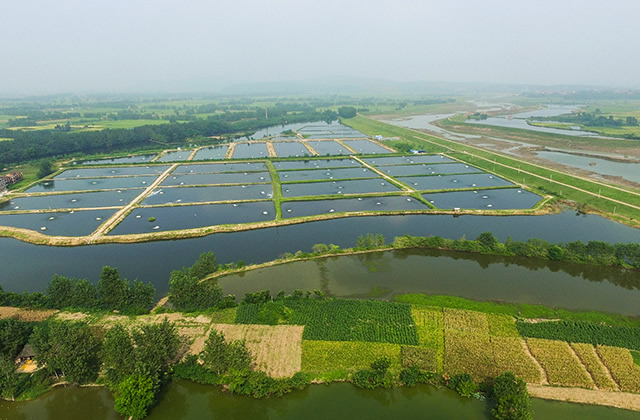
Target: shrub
point(512, 398)
point(463, 384)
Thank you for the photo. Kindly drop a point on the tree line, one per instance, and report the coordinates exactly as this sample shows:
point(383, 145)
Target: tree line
point(37, 144)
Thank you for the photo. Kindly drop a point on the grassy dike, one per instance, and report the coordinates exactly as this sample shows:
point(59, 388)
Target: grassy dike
point(613, 202)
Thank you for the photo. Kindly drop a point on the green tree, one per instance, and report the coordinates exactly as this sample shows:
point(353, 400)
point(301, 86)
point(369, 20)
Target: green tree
point(8, 377)
point(487, 240)
point(156, 346)
point(188, 293)
point(118, 356)
point(135, 395)
point(512, 398)
point(214, 354)
point(205, 265)
point(45, 168)
point(347, 111)
point(67, 348)
point(112, 290)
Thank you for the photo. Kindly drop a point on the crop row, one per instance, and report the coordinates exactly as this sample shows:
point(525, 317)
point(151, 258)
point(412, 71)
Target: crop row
point(463, 321)
point(561, 364)
point(424, 358)
point(502, 326)
point(622, 368)
point(469, 353)
point(510, 355)
point(589, 358)
point(430, 329)
point(325, 356)
point(583, 332)
point(339, 319)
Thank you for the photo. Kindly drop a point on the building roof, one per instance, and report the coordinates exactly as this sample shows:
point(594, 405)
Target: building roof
point(27, 351)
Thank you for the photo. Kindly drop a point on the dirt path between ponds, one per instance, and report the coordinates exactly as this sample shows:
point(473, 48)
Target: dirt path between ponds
point(624, 400)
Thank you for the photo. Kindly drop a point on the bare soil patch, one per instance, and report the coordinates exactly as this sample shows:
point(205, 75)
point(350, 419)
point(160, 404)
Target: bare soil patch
point(277, 350)
point(587, 396)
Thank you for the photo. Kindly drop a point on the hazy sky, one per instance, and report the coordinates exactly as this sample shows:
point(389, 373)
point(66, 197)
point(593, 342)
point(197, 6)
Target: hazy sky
point(116, 45)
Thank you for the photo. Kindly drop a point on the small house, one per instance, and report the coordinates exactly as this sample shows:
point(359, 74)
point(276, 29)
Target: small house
point(27, 354)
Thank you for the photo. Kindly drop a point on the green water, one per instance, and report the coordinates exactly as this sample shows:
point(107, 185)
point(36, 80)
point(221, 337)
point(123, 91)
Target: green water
point(473, 276)
point(187, 400)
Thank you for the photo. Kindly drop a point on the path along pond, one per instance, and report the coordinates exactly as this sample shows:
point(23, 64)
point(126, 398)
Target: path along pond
point(188, 400)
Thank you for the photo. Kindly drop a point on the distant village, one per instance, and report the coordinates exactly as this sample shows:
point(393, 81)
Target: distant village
point(9, 179)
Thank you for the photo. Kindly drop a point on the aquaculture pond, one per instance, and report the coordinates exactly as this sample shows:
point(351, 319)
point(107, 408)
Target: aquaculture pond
point(211, 153)
point(175, 156)
point(219, 167)
point(365, 147)
point(217, 178)
point(451, 182)
point(315, 164)
point(308, 208)
point(120, 160)
point(428, 169)
point(202, 194)
point(72, 201)
point(140, 220)
point(267, 244)
point(185, 400)
point(113, 171)
point(359, 186)
point(404, 160)
point(507, 198)
point(480, 277)
point(71, 223)
point(290, 149)
point(327, 174)
point(328, 147)
point(250, 151)
point(92, 184)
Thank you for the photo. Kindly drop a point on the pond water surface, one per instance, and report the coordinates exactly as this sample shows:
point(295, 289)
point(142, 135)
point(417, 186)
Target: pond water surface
point(73, 223)
point(188, 217)
point(211, 153)
point(73, 201)
point(91, 184)
point(445, 182)
point(328, 148)
point(201, 194)
point(308, 208)
point(113, 171)
point(359, 186)
point(217, 178)
point(185, 400)
point(507, 198)
point(250, 151)
point(327, 174)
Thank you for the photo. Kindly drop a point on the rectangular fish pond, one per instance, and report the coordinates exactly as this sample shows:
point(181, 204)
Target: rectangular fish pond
point(360, 186)
point(250, 151)
point(120, 160)
point(365, 147)
point(220, 178)
point(93, 184)
point(175, 156)
point(188, 217)
point(445, 182)
point(328, 147)
point(112, 171)
point(177, 195)
point(290, 149)
point(315, 164)
point(328, 174)
point(405, 160)
point(506, 198)
point(73, 201)
point(313, 207)
point(211, 153)
point(219, 167)
point(71, 223)
point(428, 169)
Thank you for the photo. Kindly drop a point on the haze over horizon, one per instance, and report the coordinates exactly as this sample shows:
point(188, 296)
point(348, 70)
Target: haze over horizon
point(136, 46)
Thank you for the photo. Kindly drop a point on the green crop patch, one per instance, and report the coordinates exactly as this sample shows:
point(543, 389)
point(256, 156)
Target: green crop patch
point(582, 332)
point(348, 356)
point(337, 319)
